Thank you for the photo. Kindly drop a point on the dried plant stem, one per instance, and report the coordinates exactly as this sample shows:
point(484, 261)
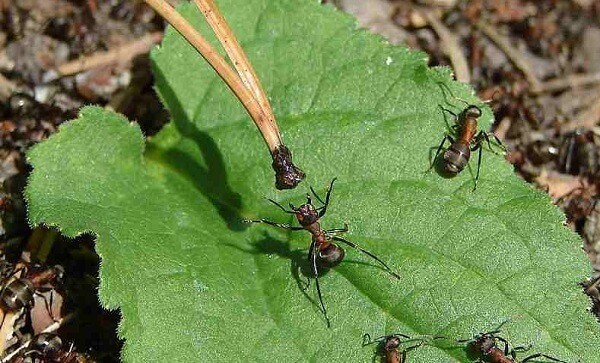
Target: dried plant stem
point(450, 46)
point(119, 54)
point(513, 54)
point(245, 84)
point(236, 54)
point(267, 128)
point(571, 81)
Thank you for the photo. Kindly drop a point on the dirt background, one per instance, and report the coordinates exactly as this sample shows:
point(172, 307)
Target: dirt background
point(538, 62)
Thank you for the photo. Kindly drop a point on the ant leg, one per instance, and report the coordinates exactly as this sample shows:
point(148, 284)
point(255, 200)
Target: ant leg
point(437, 153)
point(498, 141)
point(338, 230)
point(362, 250)
point(312, 254)
point(327, 196)
point(486, 136)
point(522, 348)
point(414, 346)
point(478, 146)
point(280, 225)
point(47, 305)
point(15, 272)
point(367, 340)
point(542, 355)
point(281, 207)
point(400, 335)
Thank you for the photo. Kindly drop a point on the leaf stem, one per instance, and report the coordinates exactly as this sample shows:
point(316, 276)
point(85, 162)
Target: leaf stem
point(246, 86)
point(236, 53)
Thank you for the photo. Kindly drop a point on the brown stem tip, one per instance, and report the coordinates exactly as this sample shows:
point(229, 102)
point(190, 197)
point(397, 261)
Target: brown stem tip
point(287, 175)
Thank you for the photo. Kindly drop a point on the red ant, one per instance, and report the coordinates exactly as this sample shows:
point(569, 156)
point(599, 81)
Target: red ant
point(456, 157)
point(389, 345)
point(322, 250)
point(485, 346)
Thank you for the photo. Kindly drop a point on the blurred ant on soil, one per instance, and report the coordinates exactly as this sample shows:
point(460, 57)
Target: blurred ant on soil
point(579, 153)
point(35, 280)
point(457, 156)
point(485, 347)
point(389, 344)
point(322, 252)
point(48, 348)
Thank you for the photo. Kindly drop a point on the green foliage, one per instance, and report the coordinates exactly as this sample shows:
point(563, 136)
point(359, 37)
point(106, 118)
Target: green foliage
point(194, 284)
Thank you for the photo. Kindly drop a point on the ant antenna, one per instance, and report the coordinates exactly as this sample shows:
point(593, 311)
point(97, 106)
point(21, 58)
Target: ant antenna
point(280, 206)
point(499, 327)
point(444, 85)
point(362, 250)
point(497, 330)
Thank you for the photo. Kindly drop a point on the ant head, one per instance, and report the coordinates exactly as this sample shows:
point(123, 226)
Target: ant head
point(472, 112)
point(484, 342)
point(49, 344)
point(391, 342)
point(331, 255)
point(306, 214)
point(59, 271)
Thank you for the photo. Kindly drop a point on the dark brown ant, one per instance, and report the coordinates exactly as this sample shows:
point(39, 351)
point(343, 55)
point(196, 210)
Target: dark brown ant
point(48, 348)
point(486, 347)
point(389, 345)
point(46, 345)
point(20, 292)
point(322, 252)
point(579, 153)
point(456, 157)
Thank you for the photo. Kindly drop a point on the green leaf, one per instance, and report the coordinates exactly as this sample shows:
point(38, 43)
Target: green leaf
point(194, 284)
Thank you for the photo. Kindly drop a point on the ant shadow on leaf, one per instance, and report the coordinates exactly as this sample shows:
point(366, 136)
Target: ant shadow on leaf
point(299, 264)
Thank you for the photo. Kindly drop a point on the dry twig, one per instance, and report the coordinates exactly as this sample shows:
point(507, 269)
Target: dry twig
point(572, 81)
point(121, 54)
point(220, 66)
point(287, 175)
point(586, 119)
point(235, 52)
point(450, 46)
point(514, 55)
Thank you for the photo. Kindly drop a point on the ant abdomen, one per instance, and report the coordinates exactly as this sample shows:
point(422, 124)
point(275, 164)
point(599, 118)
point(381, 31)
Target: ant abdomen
point(331, 255)
point(48, 344)
point(392, 342)
point(17, 294)
point(456, 158)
